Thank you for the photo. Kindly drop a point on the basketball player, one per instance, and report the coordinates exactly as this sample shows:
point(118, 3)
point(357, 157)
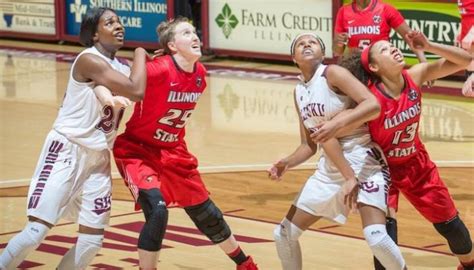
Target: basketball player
point(466, 40)
point(396, 131)
point(72, 177)
point(363, 22)
point(152, 155)
point(323, 92)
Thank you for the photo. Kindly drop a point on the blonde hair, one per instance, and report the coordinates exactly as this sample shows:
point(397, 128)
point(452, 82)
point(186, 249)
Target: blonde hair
point(166, 31)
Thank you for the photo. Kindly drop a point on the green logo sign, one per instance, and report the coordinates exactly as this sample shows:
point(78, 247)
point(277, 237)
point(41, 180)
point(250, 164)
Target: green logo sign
point(226, 20)
point(437, 27)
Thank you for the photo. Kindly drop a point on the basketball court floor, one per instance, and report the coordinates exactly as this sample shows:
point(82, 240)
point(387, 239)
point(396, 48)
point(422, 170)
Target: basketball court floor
point(245, 121)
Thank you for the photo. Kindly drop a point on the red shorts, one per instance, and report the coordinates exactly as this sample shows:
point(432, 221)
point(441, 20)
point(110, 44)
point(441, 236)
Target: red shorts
point(419, 181)
point(172, 170)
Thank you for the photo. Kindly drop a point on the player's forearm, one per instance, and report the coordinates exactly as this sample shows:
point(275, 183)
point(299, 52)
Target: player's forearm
point(420, 55)
point(300, 155)
point(338, 49)
point(138, 75)
point(365, 111)
point(104, 95)
point(333, 151)
point(453, 54)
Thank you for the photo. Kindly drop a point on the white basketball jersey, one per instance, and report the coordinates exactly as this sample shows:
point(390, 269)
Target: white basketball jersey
point(82, 119)
point(317, 103)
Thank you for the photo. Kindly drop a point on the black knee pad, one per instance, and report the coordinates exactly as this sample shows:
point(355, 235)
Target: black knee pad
point(156, 216)
point(392, 229)
point(210, 221)
point(457, 234)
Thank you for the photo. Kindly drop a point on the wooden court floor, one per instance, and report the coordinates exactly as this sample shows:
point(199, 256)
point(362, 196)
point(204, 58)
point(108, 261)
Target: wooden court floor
point(243, 123)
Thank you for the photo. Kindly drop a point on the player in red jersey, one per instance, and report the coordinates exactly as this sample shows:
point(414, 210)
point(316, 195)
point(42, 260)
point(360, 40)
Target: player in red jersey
point(466, 41)
point(152, 155)
point(396, 131)
point(363, 22)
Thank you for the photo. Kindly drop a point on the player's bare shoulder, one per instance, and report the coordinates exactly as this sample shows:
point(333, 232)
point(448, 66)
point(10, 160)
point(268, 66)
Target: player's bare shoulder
point(87, 63)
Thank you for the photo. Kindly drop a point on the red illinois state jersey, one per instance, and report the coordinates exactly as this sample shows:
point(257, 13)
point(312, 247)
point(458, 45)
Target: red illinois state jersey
point(170, 98)
point(396, 129)
point(466, 9)
point(369, 25)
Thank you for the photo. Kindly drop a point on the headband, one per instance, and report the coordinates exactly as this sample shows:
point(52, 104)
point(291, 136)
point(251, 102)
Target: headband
point(293, 43)
point(364, 58)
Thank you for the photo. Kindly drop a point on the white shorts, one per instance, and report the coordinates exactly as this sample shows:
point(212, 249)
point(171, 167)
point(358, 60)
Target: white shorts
point(321, 195)
point(72, 182)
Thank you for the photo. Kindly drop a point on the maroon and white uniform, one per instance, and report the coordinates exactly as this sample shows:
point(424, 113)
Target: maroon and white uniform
point(413, 173)
point(72, 178)
point(367, 26)
point(322, 193)
point(152, 153)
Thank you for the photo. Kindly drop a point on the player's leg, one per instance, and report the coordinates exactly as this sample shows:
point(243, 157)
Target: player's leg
point(459, 240)
point(23, 243)
point(287, 235)
point(375, 232)
point(374, 190)
point(47, 196)
point(88, 244)
point(91, 209)
point(430, 196)
point(391, 223)
point(153, 231)
point(209, 220)
point(142, 180)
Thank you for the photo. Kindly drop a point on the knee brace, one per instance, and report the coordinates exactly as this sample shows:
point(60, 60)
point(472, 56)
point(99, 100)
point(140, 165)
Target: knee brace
point(82, 253)
point(392, 230)
point(383, 247)
point(22, 244)
point(286, 237)
point(457, 234)
point(156, 216)
point(209, 220)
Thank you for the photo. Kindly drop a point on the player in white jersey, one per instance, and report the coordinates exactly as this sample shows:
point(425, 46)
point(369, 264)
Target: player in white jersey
point(72, 178)
point(351, 172)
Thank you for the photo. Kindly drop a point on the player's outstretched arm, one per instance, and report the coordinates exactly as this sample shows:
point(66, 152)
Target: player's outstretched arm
point(453, 59)
point(90, 67)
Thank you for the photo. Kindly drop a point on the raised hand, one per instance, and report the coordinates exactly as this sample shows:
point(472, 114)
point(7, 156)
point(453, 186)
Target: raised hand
point(417, 40)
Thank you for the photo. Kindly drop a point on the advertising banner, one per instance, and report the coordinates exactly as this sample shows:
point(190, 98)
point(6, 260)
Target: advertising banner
point(33, 16)
point(140, 17)
point(261, 26)
point(438, 20)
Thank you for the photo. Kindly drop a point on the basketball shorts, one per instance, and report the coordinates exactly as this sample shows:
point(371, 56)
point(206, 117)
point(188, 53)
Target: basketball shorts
point(71, 182)
point(322, 193)
point(419, 181)
point(172, 170)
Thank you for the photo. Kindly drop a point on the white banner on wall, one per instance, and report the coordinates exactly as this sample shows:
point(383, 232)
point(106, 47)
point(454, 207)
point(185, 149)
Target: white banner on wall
point(35, 16)
point(267, 26)
point(244, 105)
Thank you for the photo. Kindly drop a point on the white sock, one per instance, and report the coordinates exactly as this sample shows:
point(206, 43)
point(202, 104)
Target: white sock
point(22, 244)
point(286, 237)
point(82, 253)
point(383, 247)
